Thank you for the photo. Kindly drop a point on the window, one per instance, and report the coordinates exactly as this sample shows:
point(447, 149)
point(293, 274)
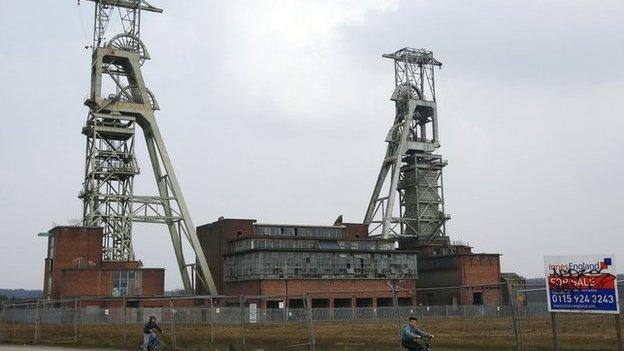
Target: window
point(477, 298)
point(429, 299)
point(126, 283)
point(329, 244)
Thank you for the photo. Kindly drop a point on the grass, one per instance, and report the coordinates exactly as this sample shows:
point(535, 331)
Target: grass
point(576, 332)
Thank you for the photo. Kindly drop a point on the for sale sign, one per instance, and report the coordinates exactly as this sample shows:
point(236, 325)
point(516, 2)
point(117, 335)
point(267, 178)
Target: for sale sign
point(581, 284)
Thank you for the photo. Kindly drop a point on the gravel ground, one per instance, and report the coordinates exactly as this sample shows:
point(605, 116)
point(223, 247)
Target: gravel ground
point(37, 348)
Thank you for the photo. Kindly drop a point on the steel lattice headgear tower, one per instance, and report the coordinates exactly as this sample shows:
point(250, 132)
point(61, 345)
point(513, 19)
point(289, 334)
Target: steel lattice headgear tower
point(414, 170)
point(119, 101)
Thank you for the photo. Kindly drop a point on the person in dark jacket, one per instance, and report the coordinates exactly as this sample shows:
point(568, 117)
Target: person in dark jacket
point(148, 330)
point(412, 336)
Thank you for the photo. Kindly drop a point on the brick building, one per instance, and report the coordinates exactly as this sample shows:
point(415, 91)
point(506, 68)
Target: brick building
point(74, 268)
point(442, 264)
point(330, 262)
point(333, 262)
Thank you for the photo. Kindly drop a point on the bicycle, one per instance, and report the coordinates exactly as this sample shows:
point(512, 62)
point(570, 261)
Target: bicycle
point(154, 344)
point(424, 346)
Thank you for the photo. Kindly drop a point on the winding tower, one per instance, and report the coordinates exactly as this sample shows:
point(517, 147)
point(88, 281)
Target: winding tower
point(118, 103)
point(411, 169)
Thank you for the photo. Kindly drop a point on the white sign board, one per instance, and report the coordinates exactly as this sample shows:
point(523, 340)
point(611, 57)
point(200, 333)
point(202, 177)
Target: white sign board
point(581, 284)
point(253, 313)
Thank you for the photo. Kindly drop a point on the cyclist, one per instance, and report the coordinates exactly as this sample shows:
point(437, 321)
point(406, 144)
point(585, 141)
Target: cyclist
point(412, 336)
point(148, 331)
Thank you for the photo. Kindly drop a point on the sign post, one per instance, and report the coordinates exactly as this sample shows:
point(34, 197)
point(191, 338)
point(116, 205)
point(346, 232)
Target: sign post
point(553, 325)
point(582, 284)
point(618, 328)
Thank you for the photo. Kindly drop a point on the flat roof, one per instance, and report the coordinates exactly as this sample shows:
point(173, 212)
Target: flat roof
point(300, 225)
point(313, 238)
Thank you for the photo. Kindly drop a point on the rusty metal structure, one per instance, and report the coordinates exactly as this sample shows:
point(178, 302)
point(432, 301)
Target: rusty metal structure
point(119, 102)
point(411, 171)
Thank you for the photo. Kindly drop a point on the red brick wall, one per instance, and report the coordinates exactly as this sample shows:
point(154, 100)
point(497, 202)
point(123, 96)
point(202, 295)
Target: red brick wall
point(319, 289)
point(153, 282)
point(71, 245)
point(335, 287)
point(93, 277)
point(459, 270)
point(481, 269)
point(120, 265)
point(97, 282)
point(251, 287)
point(214, 239)
point(356, 230)
point(77, 283)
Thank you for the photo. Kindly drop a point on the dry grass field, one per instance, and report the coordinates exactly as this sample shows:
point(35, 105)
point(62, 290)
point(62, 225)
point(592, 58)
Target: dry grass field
point(576, 332)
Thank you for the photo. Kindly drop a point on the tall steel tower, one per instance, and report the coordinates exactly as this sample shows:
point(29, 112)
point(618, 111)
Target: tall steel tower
point(119, 102)
point(415, 172)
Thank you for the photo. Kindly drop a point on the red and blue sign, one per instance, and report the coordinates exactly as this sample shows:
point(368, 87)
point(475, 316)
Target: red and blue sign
point(581, 284)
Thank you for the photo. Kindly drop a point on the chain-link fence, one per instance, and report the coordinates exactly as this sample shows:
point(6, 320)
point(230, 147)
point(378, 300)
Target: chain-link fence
point(312, 321)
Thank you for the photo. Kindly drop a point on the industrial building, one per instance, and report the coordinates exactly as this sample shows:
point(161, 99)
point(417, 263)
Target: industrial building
point(250, 258)
point(74, 267)
point(344, 264)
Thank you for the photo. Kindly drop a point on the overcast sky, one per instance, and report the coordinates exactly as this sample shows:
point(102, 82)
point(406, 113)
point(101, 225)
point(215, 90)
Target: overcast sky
point(278, 111)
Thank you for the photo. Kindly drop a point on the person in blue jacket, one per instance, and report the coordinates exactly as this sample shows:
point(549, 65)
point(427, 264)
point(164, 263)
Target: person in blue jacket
point(149, 332)
point(412, 336)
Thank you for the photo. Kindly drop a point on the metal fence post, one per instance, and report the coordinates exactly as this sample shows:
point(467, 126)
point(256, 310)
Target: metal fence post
point(514, 318)
point(618, 332)
point(241, 305)
point(553, 325)
point(286, 308)
point(124, 326)
point(173, 325)
point(13, 320)
point(75, 320)
point(397, 317)
point(212, 321)
point(36, 337)
point(310, 321)
point(80, 319)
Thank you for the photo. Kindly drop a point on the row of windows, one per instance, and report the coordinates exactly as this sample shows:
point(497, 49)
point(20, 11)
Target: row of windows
point(256, 265)
point(250, 244)
point(316, 232)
